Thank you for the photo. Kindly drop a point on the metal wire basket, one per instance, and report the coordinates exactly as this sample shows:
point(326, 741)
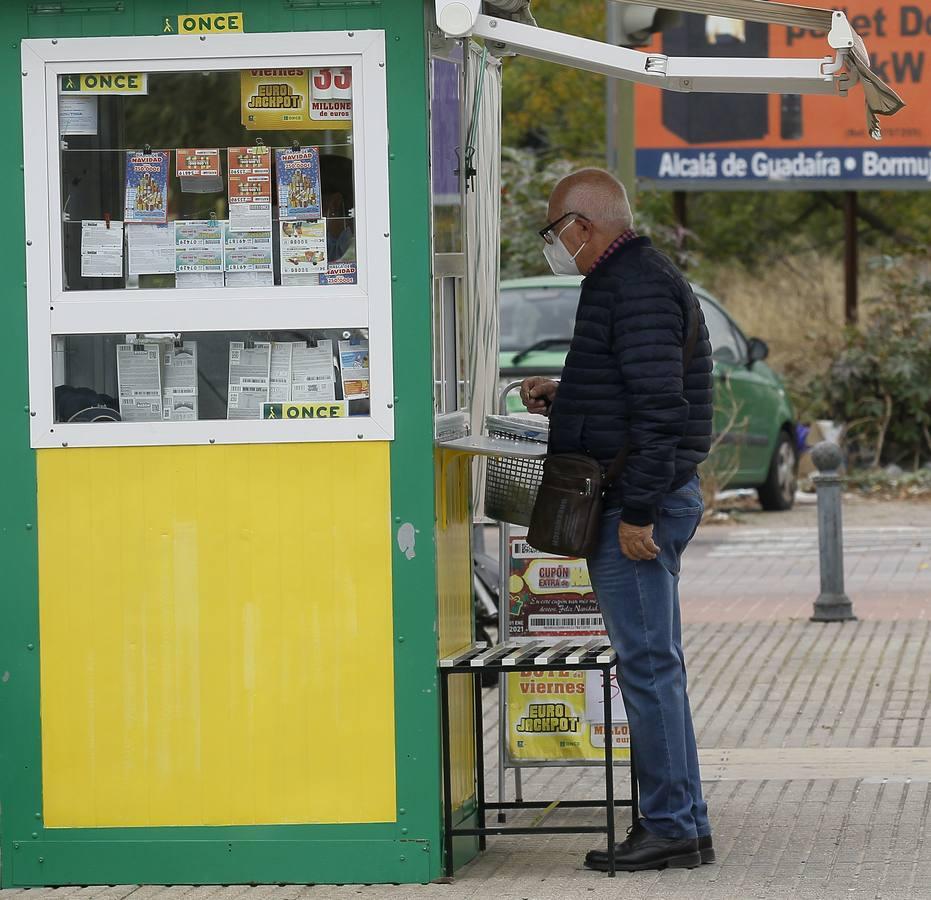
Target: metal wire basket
point(511, 483)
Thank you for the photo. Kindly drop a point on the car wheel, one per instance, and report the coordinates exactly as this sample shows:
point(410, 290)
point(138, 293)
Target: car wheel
point(778, 491)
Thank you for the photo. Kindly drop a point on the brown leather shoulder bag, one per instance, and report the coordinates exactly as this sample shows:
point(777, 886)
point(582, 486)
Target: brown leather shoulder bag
point(566, 517)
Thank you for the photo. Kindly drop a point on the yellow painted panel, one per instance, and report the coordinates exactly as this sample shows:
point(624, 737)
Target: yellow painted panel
point(216, 635)
point(454, 589)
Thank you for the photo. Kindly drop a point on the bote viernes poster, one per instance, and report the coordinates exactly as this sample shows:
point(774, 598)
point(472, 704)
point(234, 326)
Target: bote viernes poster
point(557, 715)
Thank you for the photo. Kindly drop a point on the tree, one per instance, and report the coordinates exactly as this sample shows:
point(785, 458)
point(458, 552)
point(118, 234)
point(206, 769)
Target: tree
point(551, 109)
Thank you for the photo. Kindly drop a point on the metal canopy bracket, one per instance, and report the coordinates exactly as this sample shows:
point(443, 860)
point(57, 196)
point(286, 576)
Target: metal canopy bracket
point(824, 75)
point(748, 76)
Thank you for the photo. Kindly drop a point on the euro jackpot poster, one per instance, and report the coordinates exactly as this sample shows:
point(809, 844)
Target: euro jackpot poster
point(295, 99)
point(557, 715)
point(560, 716)
point(708, 141)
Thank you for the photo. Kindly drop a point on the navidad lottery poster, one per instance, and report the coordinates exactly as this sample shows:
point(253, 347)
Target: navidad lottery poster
point(298, 173)
point(146, 186)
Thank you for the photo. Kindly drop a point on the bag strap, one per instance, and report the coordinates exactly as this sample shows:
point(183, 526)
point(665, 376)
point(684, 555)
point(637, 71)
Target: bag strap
point(688, 351)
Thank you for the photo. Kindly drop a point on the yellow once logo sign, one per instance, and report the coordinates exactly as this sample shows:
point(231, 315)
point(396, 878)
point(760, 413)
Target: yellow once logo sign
point(105, 83)
point(330, 409)
point(210, 23)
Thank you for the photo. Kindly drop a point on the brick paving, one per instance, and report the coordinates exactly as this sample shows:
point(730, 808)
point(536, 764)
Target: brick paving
point(836, 718)
point(739, 574)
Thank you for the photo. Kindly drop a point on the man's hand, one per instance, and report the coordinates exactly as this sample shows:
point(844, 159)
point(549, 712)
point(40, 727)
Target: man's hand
point(637, 541)
point(537, 394)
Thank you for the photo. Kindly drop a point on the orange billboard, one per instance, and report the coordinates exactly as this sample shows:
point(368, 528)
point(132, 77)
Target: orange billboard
point(750, 141)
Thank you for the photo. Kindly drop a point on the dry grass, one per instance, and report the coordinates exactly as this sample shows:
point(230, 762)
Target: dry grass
point(796, 304)
point(797, 307)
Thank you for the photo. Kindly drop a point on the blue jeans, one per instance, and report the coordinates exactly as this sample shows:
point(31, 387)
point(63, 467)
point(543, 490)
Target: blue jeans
point(640, 605)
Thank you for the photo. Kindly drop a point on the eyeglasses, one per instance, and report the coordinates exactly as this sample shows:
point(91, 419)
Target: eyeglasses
point(547, 233)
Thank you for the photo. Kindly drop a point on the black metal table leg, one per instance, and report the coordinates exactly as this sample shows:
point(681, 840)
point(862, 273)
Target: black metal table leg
point(634, 785)
point(479, 755)
point(462, 664)
point(609, 765)
point(447, 775)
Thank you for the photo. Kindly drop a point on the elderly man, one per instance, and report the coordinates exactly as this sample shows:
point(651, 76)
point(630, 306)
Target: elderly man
point(624, 389)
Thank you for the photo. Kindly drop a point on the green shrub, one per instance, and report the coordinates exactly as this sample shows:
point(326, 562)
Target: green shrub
point(880, 383)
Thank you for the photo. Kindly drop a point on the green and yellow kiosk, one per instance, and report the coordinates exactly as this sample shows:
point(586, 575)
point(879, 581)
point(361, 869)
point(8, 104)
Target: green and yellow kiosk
point(250, 259)
point(227, 582)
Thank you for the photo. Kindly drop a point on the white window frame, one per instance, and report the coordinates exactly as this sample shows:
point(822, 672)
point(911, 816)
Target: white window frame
point(52, 311)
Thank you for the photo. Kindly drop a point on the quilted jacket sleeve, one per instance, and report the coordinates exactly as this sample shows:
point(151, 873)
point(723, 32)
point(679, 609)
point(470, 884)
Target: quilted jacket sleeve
point(648, 337)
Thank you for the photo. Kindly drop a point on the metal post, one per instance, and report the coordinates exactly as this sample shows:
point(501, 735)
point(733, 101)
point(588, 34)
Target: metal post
point(479, 753)
point(612, 28)
point(832, 605)
point(851, 261)
point(619, 113)
point(504, 635)
point(447, 776)
point(680, 209)
point(609, 764)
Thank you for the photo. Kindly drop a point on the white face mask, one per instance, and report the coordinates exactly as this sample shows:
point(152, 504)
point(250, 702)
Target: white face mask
point(561, 261)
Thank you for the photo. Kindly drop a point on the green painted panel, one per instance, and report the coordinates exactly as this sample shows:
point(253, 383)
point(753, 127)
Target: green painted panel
point(20, 760)
point(269, 853)
point(412, 488)
point(50, 862)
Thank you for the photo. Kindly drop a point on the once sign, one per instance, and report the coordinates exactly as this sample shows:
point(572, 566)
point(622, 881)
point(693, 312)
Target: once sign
point(210, 23)
point(104, 83)
point(330, 409)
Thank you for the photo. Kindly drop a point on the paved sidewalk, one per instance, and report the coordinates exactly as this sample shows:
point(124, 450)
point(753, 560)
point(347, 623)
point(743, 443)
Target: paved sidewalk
point(738, 574)
point(816, 740)
point(817, 760)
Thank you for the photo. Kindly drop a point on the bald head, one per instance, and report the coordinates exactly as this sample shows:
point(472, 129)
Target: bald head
point(597, 195)
point(602, 213)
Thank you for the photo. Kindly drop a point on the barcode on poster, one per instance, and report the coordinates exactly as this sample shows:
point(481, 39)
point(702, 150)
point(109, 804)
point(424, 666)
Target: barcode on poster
point(565, 623)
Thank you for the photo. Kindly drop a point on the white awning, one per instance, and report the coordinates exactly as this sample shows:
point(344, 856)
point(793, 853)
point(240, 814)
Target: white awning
point(511, 24)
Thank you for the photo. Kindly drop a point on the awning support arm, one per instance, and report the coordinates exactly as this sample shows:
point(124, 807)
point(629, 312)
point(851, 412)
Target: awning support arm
point(826, 75)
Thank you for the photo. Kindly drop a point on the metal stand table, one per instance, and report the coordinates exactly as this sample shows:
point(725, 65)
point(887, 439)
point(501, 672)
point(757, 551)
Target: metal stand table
point(535, 656)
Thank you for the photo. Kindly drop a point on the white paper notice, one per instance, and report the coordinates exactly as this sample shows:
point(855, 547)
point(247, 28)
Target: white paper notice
point(199, 253)
point(101, 249)
point(179, 382)
point(594, 699)
point(77, 114)
point(198, 170)
point(250, 188)
point(199, 280)
point(249, 375)
point(354, 369)
point(198, 245)
point(248, 258)
point(302, 249)
point(312, 373)
point(249, 279)
point(279, 389)
point(151, 249)
point(139, 377)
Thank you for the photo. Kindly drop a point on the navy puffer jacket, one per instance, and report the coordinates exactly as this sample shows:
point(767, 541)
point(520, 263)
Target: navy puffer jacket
point(622, 384)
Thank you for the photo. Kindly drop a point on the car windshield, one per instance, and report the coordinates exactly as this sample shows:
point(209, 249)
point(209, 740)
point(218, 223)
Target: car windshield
point(531, 315)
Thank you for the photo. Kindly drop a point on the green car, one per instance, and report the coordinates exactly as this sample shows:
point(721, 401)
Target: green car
point(754, 423)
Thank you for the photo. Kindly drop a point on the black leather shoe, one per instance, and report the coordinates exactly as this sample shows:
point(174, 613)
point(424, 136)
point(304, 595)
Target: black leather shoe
point(645, 850)
point(705, 848)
